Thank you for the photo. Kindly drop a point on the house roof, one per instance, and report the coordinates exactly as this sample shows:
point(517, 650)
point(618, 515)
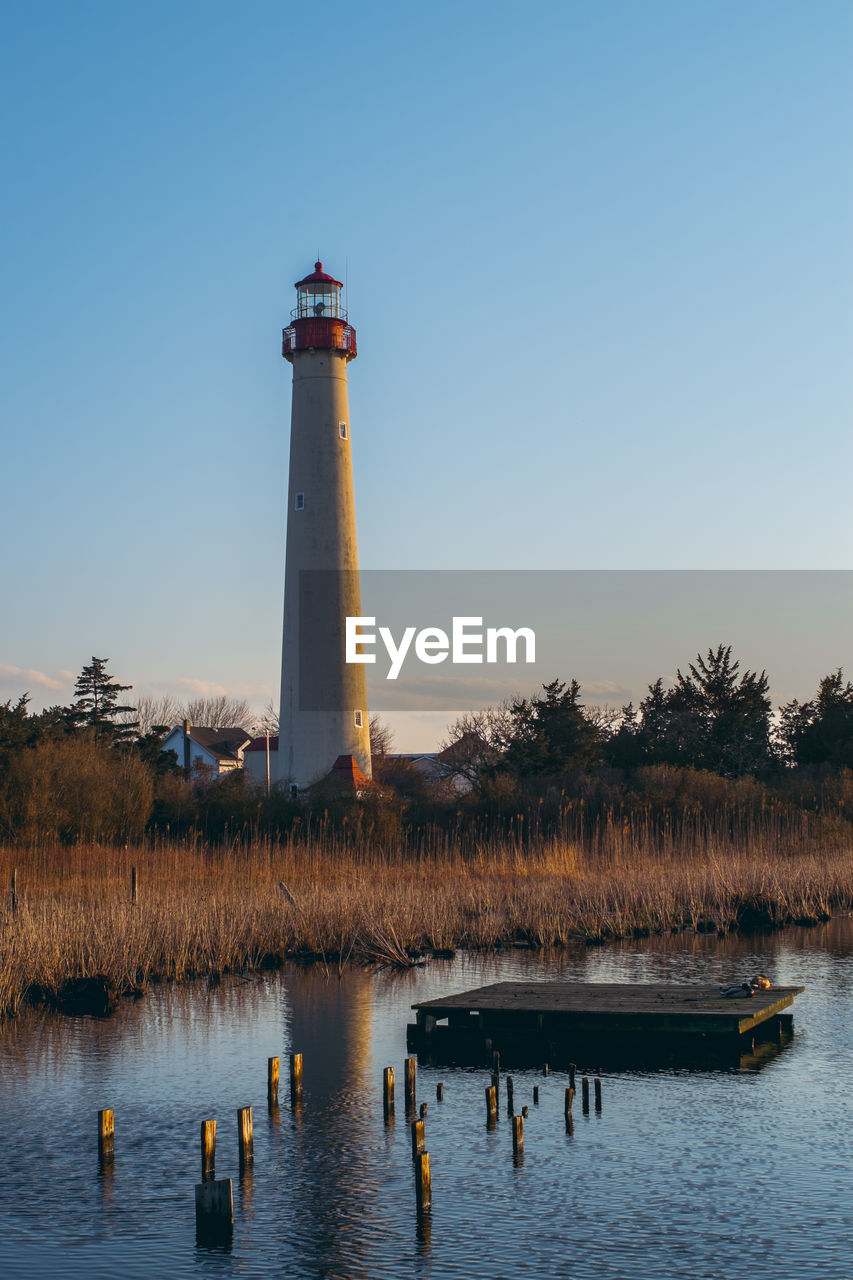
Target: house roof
point(260, 744)
point(223, 744)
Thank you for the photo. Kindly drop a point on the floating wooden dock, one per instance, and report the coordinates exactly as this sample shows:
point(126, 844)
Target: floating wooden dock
point(559, 1022)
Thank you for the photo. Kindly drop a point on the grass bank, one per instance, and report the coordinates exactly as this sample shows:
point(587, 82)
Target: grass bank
point(205, 910)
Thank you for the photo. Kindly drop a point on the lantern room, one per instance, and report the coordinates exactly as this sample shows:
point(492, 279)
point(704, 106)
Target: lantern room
point(318, 322)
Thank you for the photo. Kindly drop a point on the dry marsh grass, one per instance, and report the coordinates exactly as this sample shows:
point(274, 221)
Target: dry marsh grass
point(211, 910)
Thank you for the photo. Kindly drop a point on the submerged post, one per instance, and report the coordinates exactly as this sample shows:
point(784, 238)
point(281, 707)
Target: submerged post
point(214, 1211)
point(296, 1079)
point(272, 1081)
point(567, 1103)
point(208, 1150)
point(491, 1102)
point(409, 1083)
point(423, 1181)
point(439, 1093)
point(388, 1092)
point(417, 1138)
point(536, 1095)
point(517, 1134)
point(510, 1095)
point(597, 1084)
point(106, 1135)
point(585, 1093)
point(572, 1070)
point(245, 1137)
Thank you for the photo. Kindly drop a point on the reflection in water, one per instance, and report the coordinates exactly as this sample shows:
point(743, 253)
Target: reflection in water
point(658, 1183)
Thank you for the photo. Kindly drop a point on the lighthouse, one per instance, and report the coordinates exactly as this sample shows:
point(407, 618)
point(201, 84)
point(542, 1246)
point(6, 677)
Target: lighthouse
point(323, 713)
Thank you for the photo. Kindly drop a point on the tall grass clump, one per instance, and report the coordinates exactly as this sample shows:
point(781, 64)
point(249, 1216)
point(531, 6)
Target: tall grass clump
point(214, 909)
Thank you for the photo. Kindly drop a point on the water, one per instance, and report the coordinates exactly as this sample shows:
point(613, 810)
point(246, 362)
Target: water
point(684, 1174)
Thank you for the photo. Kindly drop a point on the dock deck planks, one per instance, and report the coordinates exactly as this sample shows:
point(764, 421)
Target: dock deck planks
point(605, 1008)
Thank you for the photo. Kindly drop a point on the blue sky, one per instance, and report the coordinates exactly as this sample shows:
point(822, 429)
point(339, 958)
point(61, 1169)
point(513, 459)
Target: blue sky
point(599, 259)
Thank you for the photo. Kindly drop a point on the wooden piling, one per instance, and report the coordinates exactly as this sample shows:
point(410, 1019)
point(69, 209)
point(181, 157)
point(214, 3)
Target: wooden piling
point(423, 1181)
point(417, 1138)
point(245, 1136)
point(491, 1101)
point(388, 1091)
point(517, 1134)
point(296, 1079)
point(422, 1110)
point(525, 1111)
point(410, 1068)
point(536, 1095)
point(597, 1084)
point(496, 1085)
point(106, 1135)
point(545, 1069)
point(568, 1100)
point(14, 889)
point(273, 1065)
point(208, 1150)
point(510, 1094)
point(133, 886)
point(496, 1060)
point(439, 1093)
point(585, 1093)
point(572, 1070)
point(214, 1211)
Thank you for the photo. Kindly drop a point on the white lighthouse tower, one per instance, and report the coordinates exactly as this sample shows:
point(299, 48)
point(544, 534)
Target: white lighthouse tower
point(323, 698)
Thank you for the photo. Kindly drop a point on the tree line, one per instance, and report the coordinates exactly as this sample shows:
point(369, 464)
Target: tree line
point(95, 770)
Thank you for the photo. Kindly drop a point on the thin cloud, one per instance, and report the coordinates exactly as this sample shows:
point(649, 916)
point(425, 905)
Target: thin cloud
point(204, 688)
point(29, 676)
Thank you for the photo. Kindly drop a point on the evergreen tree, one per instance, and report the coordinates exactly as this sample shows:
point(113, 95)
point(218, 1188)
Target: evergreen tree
point(820, 732)
point(550, 735)
point(96, 704)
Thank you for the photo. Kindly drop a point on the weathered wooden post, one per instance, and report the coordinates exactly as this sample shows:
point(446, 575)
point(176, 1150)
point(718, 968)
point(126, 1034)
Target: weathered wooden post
point(597, 1084)
point(510, 1095)
point(245, 1136)
point(491, 1102)
point(536, 1095)
point(409, 1082)
point(496, 1060)
point(388, 1092)
point(496, 1085)
point(133, 886)
point(422, 1110)
point(585, 1094)
point(296, 1080)
point(439, 1093)
point(572, 1070)
point(417, 1138)
point(106, 1135)
point(423, 1181)
point(545, 1069)
point(517, 1135)
point(208, 1150)
point(567, 1101)
point(525, 1111)
point(14, 889)
point(214, 1212)
point(272, 1080)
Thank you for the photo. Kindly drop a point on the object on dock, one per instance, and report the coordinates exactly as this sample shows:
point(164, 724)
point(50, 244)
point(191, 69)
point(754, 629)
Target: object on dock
point(559, 1021)
point(388, 1091)
point(214, 1212)
point(417, 1138)
point(597, 1086)
point(296, 1080)
point(272, 1081)
point(423, 1181)
point(410, 1068)
point(106, 1135)
point(245, 1136)
point(741, 992)
point(208, 1150)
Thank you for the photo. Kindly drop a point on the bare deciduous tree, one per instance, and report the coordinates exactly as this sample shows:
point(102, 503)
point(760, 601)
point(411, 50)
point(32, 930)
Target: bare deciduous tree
point(156, 713)
point(381, 736)
point(222, 712)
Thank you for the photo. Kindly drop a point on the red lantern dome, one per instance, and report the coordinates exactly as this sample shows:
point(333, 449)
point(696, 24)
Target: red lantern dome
point(318, 322)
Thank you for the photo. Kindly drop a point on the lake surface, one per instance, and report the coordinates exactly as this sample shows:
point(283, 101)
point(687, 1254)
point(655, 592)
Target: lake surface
point(684, 1174)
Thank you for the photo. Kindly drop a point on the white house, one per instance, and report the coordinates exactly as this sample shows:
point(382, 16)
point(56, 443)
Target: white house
point(197, 748)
